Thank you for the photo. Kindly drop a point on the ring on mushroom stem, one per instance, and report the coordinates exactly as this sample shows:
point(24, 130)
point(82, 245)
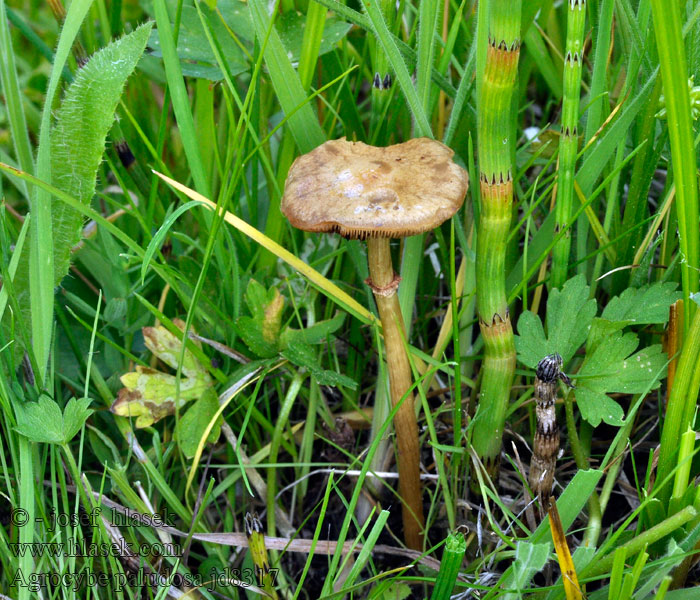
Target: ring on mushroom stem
point(374, 193)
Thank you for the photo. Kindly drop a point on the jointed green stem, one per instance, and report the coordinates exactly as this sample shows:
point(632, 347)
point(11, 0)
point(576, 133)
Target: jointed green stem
point(495, 151)
point(568, 145)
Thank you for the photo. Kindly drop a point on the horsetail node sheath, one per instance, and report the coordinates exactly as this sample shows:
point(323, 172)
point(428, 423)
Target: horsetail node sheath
point(372, 193)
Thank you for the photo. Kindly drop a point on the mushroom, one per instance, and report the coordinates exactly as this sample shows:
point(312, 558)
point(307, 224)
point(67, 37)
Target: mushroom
point(366, 192)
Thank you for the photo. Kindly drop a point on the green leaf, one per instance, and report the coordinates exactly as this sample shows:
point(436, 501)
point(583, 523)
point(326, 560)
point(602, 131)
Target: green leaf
point(640, 275)
point(251, 333)
point(596, 406)
point(256, 298)
point(302, 121)
point(74, 416)
point(40, 421)
point(647, 304)
point(193, 49)
point(261, 332)
point(115, 311)
point(600, 330)
point(570, 503)
point(78, 138)
point(157, 240)
point(569, 316)
point(291, 26)
point(193, 423)
point(304, 356)
point(612, 367)
point(315, 334)
point(395, 591)
point(529, 559)
point(43, 422)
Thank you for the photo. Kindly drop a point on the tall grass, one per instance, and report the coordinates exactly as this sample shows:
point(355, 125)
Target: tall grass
point(576, 121)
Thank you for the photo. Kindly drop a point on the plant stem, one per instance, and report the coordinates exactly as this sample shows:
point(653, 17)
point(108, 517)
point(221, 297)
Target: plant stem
point(595, 518)
point(495, 145)
point(568, 144)
point(451, 562)
point(383, 284)
point(275, 443)
point(599, 566)
point(680, 407)
point(674, 75)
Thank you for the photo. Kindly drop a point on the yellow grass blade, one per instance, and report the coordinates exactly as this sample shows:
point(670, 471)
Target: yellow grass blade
point(566, 564)
point(325, 285)
point(258, 550)
point(224, 401)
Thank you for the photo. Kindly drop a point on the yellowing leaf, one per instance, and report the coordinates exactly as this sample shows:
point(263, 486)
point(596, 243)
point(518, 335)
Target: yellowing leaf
point(272, 320)
point(566, 563)
point(149, 395)
point(167, 347)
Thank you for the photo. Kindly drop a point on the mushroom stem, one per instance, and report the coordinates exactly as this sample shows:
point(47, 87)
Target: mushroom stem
point(384, 284)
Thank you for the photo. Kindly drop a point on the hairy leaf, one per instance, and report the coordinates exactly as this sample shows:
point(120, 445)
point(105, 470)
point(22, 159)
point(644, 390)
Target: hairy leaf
point(529, 559)
point(78, 138)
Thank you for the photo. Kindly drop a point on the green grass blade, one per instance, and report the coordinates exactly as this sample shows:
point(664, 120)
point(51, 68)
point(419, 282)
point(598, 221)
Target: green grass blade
point(311, 43)
point(398, 66)
point(180, 98)
point(290, 93)
point(602, 150)
point(428, 21)
point(674, 74)
point(158, 238)
point(14, 262)
point(11, 91)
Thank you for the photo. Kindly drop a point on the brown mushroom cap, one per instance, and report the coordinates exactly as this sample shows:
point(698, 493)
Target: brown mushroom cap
point(365, 191)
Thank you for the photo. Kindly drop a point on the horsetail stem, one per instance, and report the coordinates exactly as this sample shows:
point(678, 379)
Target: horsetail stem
point(495, 149)
point(568, 143)
point(546, 443)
